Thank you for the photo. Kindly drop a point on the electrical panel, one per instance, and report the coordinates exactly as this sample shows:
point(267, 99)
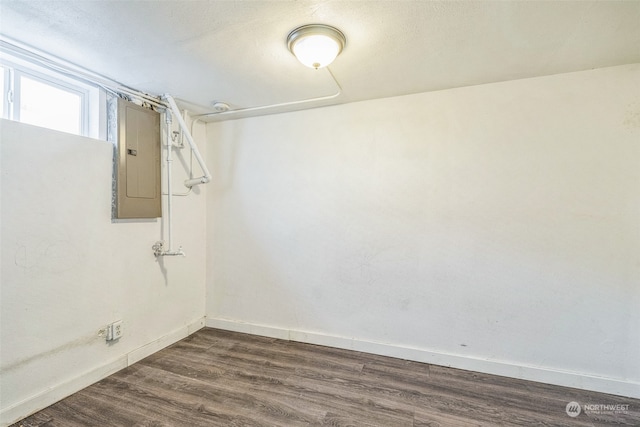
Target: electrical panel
point(135, 131)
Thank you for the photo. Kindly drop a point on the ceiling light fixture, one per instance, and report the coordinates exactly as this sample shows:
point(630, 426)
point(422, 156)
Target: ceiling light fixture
point(316, 45)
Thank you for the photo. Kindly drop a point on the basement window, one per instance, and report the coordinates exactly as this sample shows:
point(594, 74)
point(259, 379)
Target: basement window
point(41, 97)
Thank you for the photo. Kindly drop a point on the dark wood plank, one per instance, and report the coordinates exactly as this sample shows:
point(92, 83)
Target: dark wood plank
point(221, 378)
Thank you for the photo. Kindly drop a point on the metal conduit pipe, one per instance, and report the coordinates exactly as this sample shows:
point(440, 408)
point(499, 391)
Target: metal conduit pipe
point(159, 249)
point(281, 104)
point(69, 69)
point(168, 121)
point(176, 112)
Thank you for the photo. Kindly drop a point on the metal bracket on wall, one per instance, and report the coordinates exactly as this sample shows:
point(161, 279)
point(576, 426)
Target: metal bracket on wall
point(159, 250)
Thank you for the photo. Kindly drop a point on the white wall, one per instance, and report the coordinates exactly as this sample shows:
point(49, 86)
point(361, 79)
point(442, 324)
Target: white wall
point(67, 270)
point(493, 228)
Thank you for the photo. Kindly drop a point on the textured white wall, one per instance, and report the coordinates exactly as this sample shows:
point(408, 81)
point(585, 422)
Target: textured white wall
point(497, 224)
point(67, 270)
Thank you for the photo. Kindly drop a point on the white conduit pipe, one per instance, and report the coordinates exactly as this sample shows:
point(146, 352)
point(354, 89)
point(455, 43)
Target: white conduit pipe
point(185, 131)
point(168, 121)
point(69, 69)
point(159, 247)
point(282, 104)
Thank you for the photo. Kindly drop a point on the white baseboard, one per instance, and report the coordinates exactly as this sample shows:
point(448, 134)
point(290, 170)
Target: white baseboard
point(165, 341)
point(56, 393)
point(495, 367)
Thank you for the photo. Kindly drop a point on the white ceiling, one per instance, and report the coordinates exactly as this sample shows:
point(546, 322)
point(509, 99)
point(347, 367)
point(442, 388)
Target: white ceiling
point(235, 51)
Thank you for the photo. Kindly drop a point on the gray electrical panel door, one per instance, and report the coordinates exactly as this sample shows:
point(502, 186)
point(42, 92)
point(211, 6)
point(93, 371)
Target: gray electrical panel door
point(138, 190)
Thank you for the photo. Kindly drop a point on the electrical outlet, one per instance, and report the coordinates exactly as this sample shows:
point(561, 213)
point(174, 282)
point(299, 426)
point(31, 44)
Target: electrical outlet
point(114, 331)
point(117, 329)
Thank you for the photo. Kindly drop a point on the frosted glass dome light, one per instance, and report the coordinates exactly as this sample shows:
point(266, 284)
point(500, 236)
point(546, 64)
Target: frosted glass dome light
point(316, 45)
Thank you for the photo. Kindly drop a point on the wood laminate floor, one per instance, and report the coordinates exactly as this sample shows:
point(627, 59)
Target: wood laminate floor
point(220, 378)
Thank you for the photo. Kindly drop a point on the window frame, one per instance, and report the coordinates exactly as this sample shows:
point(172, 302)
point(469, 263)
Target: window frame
point(92, 98)
point(83, 116)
